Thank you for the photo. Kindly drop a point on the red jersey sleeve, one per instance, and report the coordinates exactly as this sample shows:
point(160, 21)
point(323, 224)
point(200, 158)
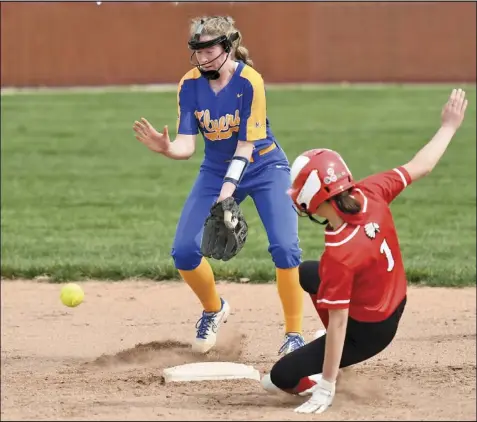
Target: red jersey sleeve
point(336, 283)
point(388, 184)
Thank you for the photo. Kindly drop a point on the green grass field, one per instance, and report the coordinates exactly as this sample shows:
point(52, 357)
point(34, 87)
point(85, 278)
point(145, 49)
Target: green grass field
point(82, 198)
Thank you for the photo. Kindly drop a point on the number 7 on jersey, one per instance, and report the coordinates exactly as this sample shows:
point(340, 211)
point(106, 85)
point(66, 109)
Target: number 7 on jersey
point(384, 249)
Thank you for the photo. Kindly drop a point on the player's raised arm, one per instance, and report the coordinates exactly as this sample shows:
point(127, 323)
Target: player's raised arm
point(451, 119)
point(183, 147)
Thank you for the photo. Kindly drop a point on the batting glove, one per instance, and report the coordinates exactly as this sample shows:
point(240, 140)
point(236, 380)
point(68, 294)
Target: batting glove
point(321, 398)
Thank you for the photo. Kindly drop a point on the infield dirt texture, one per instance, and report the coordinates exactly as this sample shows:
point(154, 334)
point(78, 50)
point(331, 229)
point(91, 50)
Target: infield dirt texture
point(104, 359)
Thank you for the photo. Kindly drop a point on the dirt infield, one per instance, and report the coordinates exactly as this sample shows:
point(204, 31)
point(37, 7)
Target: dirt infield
point(103, 360)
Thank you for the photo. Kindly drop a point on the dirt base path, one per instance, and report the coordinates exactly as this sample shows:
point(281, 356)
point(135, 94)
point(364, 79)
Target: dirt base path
point(103, 360)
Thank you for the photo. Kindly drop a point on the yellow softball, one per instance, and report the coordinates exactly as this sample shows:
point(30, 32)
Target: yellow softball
point(71, 295)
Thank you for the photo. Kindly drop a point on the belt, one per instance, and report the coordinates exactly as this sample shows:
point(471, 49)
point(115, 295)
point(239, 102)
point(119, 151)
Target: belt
point(261, 152)
point(264, 151)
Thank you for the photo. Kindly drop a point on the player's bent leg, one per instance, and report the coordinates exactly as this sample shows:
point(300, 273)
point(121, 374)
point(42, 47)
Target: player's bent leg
point(193, 268)
point(298, 371)
point(282, 230)
point(291, 373)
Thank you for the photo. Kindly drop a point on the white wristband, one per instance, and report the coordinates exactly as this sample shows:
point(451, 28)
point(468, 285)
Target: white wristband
point(236, 170)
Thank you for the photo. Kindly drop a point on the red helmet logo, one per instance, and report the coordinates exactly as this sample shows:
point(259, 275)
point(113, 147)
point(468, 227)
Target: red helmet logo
point(318, 175)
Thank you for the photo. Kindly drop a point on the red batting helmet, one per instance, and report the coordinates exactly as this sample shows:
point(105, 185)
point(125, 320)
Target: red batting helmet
point(317, 175)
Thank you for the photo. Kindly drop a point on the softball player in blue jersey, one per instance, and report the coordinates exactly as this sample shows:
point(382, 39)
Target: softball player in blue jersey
point(223, 98)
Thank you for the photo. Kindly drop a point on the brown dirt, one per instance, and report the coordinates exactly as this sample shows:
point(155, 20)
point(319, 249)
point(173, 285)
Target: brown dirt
point(103, 360)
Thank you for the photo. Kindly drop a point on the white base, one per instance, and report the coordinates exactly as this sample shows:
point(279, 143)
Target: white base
point(210, 371)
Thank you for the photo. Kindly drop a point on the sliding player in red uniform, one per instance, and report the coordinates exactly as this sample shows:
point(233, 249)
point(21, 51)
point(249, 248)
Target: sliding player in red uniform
point(359, 286)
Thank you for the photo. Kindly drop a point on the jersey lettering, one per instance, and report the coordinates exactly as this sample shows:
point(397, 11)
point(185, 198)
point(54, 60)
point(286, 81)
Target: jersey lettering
point(218, 129)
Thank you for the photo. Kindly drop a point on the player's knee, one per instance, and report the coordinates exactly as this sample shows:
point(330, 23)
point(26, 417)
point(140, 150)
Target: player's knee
point(186, 255)
point(281, 377)
point(286, 255)
point(309, 278)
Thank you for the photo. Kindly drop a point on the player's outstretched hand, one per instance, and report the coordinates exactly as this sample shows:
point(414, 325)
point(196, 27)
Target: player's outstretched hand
point(454, 110)
point(155, 141)
point(323, 393)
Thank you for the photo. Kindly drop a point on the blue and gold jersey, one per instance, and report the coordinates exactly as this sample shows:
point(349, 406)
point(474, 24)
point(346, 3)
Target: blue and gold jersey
point(237, 113)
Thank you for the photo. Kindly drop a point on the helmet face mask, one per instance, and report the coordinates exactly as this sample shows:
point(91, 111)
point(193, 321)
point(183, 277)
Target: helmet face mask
point(301, 212)
point(212, 74)
point(195, 44)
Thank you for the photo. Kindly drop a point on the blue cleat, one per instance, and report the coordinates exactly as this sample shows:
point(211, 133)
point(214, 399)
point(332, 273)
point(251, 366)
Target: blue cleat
point(293, 341)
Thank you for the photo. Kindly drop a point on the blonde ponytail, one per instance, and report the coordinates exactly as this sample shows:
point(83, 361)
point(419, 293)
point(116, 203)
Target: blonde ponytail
point(241, 53)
